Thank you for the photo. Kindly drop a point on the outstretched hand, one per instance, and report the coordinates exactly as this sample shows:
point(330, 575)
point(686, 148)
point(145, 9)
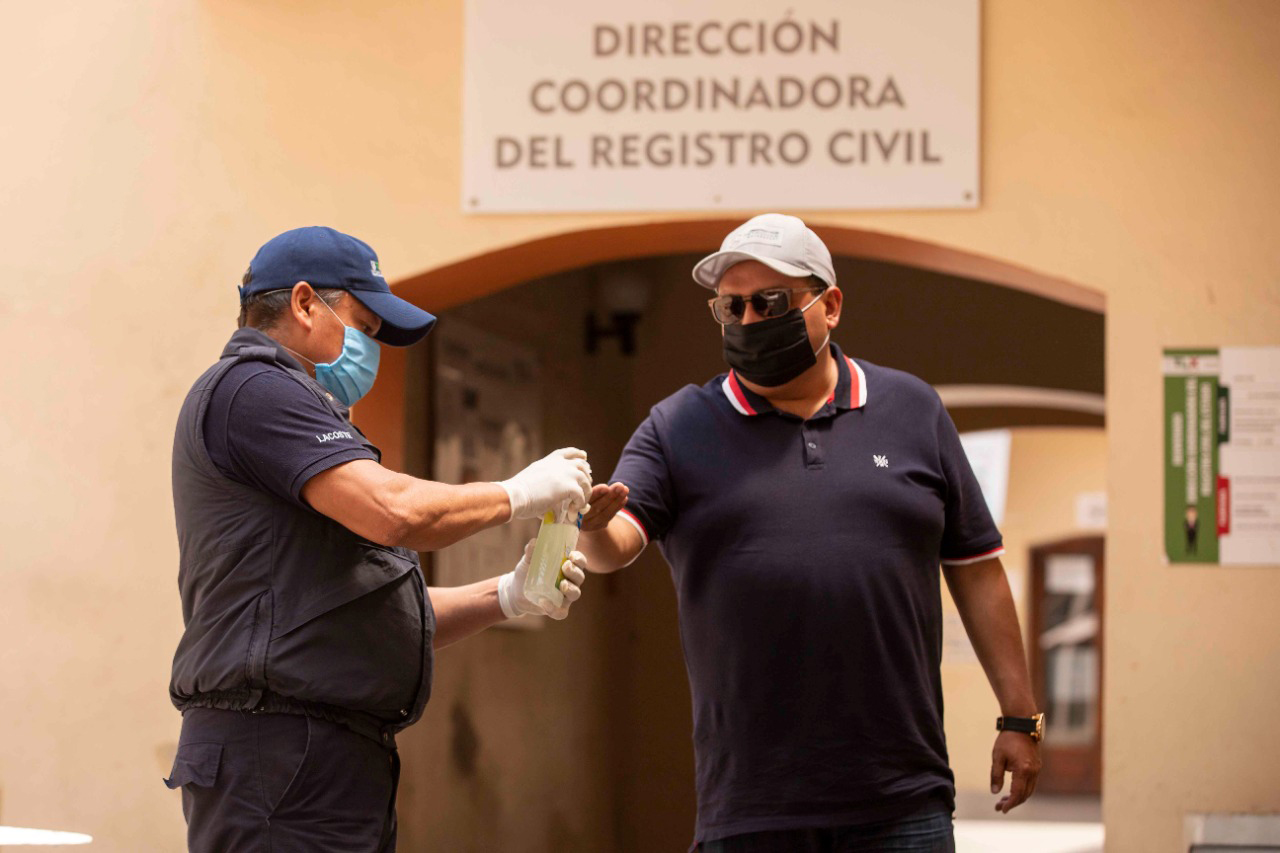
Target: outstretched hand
point(606, 500)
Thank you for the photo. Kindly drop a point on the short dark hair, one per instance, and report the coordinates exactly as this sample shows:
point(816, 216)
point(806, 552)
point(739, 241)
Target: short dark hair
point(264, 310)
point(817, 283)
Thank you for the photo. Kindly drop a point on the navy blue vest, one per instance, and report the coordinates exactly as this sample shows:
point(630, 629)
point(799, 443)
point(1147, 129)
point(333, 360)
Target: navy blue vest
point(285, 610)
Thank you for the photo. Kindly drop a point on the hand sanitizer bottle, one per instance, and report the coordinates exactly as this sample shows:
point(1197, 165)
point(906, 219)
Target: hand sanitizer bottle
point(557, 537)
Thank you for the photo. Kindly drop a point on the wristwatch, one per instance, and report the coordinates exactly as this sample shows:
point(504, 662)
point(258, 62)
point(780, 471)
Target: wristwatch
point(1033, 726)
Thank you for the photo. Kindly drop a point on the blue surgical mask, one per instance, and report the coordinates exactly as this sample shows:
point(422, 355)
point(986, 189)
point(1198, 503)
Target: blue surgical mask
point(350, 376)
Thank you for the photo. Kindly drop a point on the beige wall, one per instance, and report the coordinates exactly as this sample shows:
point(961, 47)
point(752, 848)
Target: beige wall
point(151, 148)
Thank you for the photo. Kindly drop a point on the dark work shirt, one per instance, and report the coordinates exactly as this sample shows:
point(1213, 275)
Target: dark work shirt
point(268, 431)
point(805, 556)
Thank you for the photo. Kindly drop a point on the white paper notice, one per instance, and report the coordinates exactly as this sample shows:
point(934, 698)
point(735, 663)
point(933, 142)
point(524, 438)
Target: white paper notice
point(1091, 510)
point(1249, 460)
point(988, 453)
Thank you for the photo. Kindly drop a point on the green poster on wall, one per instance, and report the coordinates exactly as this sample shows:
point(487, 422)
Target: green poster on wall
point(1222, 455)
point(1191, 455)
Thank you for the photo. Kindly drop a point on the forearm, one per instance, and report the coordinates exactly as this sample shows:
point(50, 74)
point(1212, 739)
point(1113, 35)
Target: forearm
point(435, 515)
point(464, 610)
point(612, 547)
point(982, 595)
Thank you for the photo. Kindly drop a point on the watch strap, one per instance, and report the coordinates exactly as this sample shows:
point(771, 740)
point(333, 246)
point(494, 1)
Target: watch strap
point(1032, 726)
point(1026, 725)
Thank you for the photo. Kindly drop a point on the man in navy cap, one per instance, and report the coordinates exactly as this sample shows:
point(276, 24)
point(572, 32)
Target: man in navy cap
point(309, 630)
point(805, 501)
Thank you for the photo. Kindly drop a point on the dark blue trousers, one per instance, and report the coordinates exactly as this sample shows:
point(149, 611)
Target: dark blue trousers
point(928, 832)
point(279, 783)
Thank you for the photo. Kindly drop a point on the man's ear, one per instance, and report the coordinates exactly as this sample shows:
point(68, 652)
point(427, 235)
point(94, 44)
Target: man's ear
point(833, 303)
point(300, 304)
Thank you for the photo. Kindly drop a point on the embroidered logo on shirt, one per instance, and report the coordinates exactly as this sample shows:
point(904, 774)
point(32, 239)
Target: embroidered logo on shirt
point(331, 436)
point(881, 461)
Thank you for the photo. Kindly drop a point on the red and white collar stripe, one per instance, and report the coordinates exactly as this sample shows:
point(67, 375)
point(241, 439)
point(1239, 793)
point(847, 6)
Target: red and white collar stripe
point(857, 385)
point(737, 397)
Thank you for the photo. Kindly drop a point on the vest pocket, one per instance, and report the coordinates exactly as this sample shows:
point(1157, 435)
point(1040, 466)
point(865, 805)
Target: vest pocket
point(367, 568)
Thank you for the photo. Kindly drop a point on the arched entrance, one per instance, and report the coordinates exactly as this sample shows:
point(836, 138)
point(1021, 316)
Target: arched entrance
point(382, 414)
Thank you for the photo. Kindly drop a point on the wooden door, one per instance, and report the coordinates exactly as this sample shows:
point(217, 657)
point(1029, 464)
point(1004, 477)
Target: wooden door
point(1066, 661)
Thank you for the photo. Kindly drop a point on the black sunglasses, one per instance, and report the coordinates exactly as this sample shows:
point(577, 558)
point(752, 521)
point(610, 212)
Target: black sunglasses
point(773, 302)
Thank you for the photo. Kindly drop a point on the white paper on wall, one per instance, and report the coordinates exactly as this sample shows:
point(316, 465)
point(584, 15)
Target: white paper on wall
point(988, 453)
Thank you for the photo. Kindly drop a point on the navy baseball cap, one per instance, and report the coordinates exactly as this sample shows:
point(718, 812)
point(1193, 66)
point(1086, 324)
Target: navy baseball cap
point(326, 258)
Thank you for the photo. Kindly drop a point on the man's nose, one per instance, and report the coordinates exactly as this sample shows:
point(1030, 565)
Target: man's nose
point(750, 314)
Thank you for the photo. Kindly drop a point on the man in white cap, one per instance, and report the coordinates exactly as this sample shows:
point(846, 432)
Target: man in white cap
point(805, 501)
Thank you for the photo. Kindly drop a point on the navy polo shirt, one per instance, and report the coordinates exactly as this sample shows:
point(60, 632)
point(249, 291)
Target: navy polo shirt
point(805, 557)
point(265, 430)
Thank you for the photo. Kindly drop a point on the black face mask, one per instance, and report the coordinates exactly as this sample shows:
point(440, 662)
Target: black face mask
point(771, 352)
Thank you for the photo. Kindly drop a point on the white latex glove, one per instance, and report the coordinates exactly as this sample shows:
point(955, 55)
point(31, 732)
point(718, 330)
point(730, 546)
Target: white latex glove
point(511, 586)
point(559, 478)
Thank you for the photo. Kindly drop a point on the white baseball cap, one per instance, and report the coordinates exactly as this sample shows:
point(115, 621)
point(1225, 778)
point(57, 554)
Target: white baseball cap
point(780, 242)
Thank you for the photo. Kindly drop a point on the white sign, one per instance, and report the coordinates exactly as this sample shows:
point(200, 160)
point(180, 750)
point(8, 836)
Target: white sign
point(1249, 457)
point(988, 453)
point(595, 105)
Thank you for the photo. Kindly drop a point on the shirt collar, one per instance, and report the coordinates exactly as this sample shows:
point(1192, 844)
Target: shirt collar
point(251, 337)
point(850, 393)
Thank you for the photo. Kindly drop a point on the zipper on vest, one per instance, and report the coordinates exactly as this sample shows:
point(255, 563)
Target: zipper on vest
point(259, 637)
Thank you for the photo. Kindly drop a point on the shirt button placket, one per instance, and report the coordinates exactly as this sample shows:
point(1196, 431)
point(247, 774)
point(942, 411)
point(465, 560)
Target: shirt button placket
point(813, 457)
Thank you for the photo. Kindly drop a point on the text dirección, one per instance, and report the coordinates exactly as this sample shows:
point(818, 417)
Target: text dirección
point(739, 37)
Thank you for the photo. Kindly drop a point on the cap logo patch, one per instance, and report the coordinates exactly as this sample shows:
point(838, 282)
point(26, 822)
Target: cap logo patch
point(377, 270)
point(766, 236)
